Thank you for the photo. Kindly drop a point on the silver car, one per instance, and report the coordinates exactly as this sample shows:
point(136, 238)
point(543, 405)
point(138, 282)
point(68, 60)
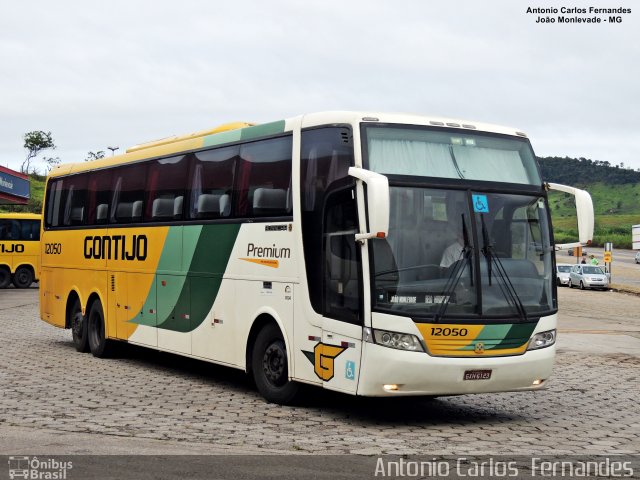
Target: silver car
point(562, 274)
point(588, 276)
point(637, 258)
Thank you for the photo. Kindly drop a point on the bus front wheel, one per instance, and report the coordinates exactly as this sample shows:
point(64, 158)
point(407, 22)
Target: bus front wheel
point(79, 327)
point(270, 367)
point(23, 278)
point(98, 343)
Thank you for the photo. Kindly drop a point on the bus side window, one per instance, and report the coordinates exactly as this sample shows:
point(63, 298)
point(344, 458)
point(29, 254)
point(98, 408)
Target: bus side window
point(165, 188)
point(263, 184)
point(128, 193)
point(99, 197)
point(54, 203)
point(212, 174)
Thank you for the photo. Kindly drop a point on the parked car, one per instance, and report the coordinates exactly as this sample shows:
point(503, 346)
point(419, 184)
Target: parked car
point(562, 273)
point(638, 257)
point(588, 276)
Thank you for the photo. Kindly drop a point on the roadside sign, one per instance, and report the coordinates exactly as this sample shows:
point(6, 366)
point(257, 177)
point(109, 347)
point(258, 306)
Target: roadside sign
point(607, 257)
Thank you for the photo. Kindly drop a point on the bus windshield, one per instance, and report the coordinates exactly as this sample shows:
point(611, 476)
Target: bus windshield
point(456, 253)
point(457, 154)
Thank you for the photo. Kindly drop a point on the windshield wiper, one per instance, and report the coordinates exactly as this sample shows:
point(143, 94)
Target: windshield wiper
point(455, 162)
point(511, 295)
point(456, 275)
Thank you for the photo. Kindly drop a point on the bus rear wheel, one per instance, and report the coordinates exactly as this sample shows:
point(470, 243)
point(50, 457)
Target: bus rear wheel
point(98, 343)
point(78, 327)
point(5, 277)
point(23, 278)
point(270, 367)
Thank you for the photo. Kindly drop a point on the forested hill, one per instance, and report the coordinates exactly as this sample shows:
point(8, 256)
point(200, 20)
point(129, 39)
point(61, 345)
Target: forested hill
point(582, 171)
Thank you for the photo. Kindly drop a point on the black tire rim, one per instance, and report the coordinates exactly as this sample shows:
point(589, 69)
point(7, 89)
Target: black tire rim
point(274, 364)
point(23, 277)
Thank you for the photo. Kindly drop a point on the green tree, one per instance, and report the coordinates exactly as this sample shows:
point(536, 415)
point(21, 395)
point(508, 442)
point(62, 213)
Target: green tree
point(35, 142)
point(94, 156)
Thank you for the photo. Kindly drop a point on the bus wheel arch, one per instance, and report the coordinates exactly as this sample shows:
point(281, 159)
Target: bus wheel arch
point(268, 361)
point(77, 322)
point(24, 276)
point(5, 276)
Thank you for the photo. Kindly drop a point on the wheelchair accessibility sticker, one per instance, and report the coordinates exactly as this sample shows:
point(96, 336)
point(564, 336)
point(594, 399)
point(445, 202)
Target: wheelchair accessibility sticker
point(350, 370)
point(480, 203)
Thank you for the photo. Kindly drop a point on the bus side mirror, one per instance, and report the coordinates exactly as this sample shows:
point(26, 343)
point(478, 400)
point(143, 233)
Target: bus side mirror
point(584, 210)
point(377, 202)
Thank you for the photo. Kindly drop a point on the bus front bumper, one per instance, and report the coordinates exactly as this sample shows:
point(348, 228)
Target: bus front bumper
point(389, 372)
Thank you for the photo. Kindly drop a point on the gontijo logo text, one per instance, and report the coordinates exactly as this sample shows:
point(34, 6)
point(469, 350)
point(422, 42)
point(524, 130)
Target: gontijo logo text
point(116, 247)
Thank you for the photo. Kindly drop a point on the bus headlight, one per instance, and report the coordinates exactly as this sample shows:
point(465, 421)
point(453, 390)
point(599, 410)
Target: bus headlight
point(399, 341)
point(542, 340)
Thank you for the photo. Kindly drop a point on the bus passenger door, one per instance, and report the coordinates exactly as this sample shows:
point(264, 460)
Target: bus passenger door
point(339, 361)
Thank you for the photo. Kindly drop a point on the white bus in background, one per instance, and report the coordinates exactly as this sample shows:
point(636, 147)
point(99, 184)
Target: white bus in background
point(635, 237)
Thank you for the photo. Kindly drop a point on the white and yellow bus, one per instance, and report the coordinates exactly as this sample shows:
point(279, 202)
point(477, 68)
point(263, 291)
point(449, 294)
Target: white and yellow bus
point(371, 254)
point(19, 249)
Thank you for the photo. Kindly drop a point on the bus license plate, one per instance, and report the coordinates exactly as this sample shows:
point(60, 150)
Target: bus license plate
point(477, 375)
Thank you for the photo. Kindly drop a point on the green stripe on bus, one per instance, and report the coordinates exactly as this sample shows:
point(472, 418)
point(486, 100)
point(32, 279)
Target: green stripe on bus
point(221, 138)
point(518, 334)
point(490, 335)
point(263, 130)
point(209, 259)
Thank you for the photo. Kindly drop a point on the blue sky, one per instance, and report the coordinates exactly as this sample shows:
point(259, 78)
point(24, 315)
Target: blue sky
point(125, 72)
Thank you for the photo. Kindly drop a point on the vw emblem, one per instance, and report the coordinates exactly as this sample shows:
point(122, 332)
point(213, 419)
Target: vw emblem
point(479, 347)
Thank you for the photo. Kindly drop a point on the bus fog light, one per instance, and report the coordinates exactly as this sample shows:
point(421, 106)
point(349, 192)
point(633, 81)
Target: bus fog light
point(399, 341)
point(538, 381)
point(390, 388)
point(542, 340)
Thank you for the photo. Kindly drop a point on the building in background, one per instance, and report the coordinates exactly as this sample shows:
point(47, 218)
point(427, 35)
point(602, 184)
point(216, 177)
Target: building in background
point(14, 187)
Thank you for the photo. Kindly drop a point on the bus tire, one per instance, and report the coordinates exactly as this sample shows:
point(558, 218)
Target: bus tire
point(23, 278)
point(98, 343)
point(78, 327)
point(270, 367)
point(5, 277)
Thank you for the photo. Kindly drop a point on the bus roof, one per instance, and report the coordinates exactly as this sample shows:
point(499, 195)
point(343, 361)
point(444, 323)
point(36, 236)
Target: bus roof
point(235, 131)
point(21, 216)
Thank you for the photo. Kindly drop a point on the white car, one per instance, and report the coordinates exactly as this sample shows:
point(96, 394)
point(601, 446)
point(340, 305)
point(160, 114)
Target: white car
point(638, 257)
point(588, 276)
point(562, 273)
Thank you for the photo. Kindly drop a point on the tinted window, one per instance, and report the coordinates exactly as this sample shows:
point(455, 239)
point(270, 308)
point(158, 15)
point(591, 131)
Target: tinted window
point(167, 178)
point(327, 154)
point(54, 211)
point(74, 192)
point(263, 185)
point(100, 197)
point(212, 183)
point(128, 194)
point(26, 230)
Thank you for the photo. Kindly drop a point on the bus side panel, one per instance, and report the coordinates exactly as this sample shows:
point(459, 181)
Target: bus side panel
point(29, 255)
point(217, 337)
